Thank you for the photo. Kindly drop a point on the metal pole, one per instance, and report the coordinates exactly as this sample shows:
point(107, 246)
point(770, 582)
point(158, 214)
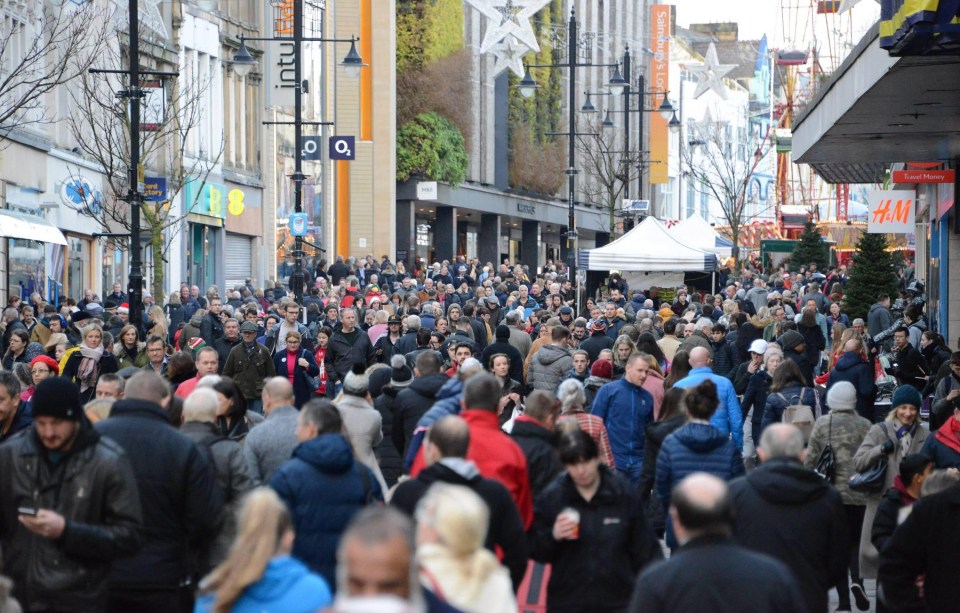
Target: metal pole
point(680, 212)
point(134, 197)
point(571, 171)
point(626, 120)
point(297, 278)
point(642, 84)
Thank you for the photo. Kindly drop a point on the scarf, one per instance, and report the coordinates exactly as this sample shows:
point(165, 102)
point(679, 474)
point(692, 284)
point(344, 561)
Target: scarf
point(905, 497)
point(949, 434)
point(87, 371)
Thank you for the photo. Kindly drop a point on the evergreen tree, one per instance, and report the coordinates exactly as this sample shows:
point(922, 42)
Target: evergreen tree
point(871, 273)
point(811, 249)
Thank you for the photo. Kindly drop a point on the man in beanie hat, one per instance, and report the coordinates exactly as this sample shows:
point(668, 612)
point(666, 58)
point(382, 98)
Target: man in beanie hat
point(69, 506)
point(181, 499)
point(598, 341)
point(391, 381)
point(360, 420)
point(794, 348)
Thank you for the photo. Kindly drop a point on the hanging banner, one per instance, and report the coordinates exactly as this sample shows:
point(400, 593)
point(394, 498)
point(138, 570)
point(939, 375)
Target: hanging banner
point(660, 83)
point(892, 211)
point(279, 56)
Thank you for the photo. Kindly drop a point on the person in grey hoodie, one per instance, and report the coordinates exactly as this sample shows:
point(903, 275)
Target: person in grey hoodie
point(758, 295)
point(271, 443)
point(552, 362)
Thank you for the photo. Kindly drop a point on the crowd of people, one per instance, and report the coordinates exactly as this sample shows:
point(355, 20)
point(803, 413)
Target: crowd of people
point(468, 437)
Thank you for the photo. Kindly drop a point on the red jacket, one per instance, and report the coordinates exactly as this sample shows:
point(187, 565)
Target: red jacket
point(498, 457)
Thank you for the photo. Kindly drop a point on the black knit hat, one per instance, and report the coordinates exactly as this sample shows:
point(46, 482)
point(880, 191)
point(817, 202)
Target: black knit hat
point(400, 375)
point(57, 397)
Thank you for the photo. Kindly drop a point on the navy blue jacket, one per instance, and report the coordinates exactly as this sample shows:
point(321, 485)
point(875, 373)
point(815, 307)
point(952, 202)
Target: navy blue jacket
point(626, 410)
point(21, 421)
point(756, 398)
point(852, 368)
point(694, 447)
point(323, 488)
point(302, 391)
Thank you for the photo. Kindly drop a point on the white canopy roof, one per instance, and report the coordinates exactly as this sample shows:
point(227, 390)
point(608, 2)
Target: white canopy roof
point(695, 231)
point(649, 247)
point(19, 225)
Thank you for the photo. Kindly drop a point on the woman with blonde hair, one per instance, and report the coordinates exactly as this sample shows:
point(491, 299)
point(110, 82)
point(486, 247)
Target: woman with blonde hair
point(259, 575)
point(85, 365)
point(451, 528)
point(157, 322)
point(623, 347)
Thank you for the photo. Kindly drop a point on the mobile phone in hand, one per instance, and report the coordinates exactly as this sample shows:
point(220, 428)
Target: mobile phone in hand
point(24, 510)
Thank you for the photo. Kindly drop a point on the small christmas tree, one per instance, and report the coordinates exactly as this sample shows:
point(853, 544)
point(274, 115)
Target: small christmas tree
point(810, 250)
point(872, 273)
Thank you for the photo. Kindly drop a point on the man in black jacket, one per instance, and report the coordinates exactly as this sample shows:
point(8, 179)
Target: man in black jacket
point(851, 367)
point(181, 499)
point(444, 452)
point(908, 366)
point(535, 433)
point(709, 572)
point(789, 512)
point(598, 341)
point(412, 402)
point(348, 346)
point(926, 545)
point(211, 328)
point(229, 340)
point(502, 345)
point(68, 506)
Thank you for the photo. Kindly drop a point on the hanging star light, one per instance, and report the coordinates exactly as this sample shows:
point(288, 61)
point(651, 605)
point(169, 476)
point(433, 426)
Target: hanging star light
point(149, 14)
point(509, 17)
point(509, 53)
point(710, 74)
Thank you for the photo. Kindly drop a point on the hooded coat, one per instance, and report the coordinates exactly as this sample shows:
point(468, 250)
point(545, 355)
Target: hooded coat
point(694, 447)
point(852, 368)
point(324, 487)
point(539, 445)
point(286, 585)
point(549, 367)
point(502, 345)
point(411, 404)
point(788, 512)
point(626, 410)
point(361, 423)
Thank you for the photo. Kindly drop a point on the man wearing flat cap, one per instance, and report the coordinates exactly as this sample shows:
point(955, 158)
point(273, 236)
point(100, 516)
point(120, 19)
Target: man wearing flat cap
point(250, 364)
point(68, 506)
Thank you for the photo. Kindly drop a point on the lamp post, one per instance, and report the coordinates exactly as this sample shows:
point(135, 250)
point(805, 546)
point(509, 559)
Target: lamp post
point(244, 62)
point(528, 87)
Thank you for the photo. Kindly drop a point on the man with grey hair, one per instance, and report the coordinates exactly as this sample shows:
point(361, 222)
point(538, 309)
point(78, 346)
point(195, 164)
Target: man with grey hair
point(348, 346)
point(408, 342)
point(376, 563)
point(235, 478)
point(700, 337)
point(518, 337)
point(271, 443)
point(790, 513)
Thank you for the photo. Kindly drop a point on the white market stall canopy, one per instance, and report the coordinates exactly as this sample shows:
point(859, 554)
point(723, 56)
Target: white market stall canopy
point(649, 247)
point(27, 227)
point(695, 231)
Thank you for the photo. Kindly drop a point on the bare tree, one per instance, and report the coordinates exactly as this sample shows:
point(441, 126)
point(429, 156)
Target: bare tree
point(99, 121)
point(607, 170)
point(49, 45)
point(713, 159)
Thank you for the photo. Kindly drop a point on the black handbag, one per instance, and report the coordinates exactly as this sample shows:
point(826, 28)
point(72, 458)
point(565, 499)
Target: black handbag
point(826, 465)
point(871, 479)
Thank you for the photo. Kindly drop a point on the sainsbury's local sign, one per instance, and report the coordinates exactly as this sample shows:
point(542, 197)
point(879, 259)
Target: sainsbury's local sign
point(891, 211)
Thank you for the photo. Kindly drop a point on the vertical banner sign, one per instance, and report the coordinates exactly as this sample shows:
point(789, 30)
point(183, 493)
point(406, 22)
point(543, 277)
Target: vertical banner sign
point(891, 212)
point(279, 55)
point(659, 82)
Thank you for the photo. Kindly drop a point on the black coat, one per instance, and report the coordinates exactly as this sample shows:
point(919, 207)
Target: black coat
point(926, 543)
point(504, 346)
point(223, 346)
point(725, 360)
point(405, 344)
point(755, 397)
point(179, 493)
point(411, 404)
point(887, 519)
point(108, 364)
point(654, 436)
point(342, 355)
point(388, 458)
point(802, 362)
point(815, 343)
point(788, 512)
point(506, 526)
point(596, 571)
point(910, 368)
point(302, 390)
point(852, 368)
point(712, 574)
point(597, 342)
point(539, 445)
point(211, 328)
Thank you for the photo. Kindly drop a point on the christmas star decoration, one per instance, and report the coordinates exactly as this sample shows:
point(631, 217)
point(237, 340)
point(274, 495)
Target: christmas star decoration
point(508, 17)
point(710, 74)
point(149, 14)
point(509, 53)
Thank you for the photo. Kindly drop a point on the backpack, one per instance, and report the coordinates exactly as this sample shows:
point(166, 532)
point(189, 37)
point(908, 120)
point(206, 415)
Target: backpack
point(801, 415)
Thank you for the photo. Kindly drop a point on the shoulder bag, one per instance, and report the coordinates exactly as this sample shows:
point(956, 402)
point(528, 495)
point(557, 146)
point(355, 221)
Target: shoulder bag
point(873, 478)
point(826, 465)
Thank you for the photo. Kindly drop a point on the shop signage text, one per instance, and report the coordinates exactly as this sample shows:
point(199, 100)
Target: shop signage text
point(924, 176)
point(527, 209)
point(79, 193)
point(891, 211)
point(427, 190)
point(155, 189)
point(213, 199)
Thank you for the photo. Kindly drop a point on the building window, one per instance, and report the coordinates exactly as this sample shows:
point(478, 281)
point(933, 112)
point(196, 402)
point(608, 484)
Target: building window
point(691, 208)
point(704, 203)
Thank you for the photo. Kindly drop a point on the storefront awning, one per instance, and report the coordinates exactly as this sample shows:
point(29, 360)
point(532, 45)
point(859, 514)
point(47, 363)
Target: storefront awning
point(876, 110)
point(27, 227)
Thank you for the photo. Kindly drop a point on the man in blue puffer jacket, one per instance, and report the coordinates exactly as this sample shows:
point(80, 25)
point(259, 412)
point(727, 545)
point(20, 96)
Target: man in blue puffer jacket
point(626, 409)
point(323, 486)
point(727, 417)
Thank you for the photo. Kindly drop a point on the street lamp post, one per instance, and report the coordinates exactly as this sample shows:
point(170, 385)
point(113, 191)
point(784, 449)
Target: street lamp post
point(244, 62)
point(527, 88)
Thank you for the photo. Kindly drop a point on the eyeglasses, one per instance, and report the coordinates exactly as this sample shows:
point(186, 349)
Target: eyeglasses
point(40, 371)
